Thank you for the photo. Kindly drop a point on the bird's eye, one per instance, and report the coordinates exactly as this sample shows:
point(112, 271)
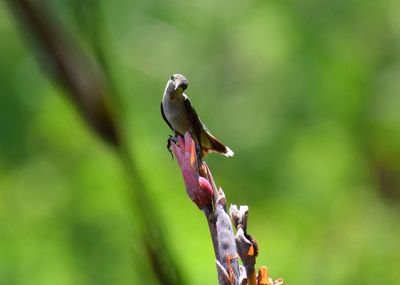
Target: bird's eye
point(172, 78)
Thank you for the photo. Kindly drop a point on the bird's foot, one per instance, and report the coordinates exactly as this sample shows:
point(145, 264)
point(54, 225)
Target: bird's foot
point(170, 140)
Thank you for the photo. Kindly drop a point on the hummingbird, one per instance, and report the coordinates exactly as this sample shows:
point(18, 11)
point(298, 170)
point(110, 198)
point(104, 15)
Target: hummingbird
point(180, 115)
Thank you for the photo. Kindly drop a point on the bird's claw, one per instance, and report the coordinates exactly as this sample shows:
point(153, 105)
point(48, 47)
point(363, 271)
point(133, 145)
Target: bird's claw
point(170, 140)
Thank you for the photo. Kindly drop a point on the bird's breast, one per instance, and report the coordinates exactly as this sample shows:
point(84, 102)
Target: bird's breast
point(175, 112)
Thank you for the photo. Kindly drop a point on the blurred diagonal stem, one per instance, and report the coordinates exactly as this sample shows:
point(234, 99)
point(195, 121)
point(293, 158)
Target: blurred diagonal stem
point(87, 83)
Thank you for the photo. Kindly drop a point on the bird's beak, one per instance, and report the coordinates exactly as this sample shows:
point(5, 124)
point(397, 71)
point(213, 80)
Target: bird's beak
point(181, 84)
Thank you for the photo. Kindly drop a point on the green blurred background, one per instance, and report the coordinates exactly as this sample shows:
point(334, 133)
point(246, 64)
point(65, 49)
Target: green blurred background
point(307, 94)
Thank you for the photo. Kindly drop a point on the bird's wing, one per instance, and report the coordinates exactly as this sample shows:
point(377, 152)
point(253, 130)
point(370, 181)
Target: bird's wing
point(165, 118)
point(198, 126)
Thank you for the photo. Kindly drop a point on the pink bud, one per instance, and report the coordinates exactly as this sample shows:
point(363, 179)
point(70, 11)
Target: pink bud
point(198, 188)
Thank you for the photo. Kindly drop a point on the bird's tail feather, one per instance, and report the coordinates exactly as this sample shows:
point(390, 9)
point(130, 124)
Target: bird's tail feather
point(218, 146)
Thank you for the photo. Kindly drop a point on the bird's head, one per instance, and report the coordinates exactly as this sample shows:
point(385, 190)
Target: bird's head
point(176, 85)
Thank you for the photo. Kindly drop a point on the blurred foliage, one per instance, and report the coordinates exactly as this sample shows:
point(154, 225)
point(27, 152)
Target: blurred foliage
point(305, 92)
